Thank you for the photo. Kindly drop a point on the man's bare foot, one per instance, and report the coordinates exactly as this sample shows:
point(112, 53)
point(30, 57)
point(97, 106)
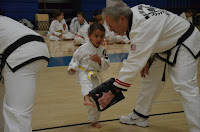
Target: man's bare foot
point(97, 125)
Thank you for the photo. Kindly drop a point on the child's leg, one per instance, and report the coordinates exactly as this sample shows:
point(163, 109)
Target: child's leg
point(78, 40)
point(93, 116)
point(54, 38)
point(68, 35)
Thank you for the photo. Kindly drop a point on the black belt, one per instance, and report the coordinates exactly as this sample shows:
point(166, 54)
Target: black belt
point(179, 43)
point(15, 45)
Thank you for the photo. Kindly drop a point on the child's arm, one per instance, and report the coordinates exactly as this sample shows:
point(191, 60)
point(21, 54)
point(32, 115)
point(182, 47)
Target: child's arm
point(74, 63)
point(96, 58)
point(102, 60)
point(65, 27)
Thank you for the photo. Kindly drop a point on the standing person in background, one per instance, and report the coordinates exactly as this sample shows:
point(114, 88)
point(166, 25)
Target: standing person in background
point(159, 40)
point(187, 15)
point(23, 54)
point(58, 29)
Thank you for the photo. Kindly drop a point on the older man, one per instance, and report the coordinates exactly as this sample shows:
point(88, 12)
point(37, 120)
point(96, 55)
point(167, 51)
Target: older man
point(158, 39)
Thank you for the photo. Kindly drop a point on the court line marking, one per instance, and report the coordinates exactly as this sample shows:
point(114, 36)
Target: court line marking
point(176, 112)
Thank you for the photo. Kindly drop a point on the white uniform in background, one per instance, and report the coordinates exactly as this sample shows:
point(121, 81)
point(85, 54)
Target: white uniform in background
point(77, 26)
point(56, 27)
point(155, 31)
point(19, 73)
point(81, 57)
point(113, 37)
point(190, 19)
point(71, 26)
point(82, 35)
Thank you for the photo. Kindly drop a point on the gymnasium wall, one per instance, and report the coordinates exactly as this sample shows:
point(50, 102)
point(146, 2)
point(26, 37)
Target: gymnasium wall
point(19, 9)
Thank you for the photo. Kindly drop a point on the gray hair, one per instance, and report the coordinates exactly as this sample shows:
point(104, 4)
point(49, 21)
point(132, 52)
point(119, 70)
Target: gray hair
point(110, 3)
point(120, 9)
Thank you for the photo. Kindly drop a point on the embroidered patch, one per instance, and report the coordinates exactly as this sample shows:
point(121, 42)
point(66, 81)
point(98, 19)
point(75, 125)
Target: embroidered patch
point(133, 47)
point(149, 11)
point(105, 54)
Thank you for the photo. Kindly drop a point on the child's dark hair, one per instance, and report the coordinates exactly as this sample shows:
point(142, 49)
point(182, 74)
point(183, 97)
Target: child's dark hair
point(57, 13)
point(95, 26)
point(81, 13)
point(92, 19)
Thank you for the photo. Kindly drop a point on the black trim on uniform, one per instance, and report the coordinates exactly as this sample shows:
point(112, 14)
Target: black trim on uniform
point(179, 43)
point(27, 62)
point(15, 45)
point(140, 115)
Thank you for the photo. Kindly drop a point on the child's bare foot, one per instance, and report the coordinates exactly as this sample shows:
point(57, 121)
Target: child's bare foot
point(87, 102)
point(97, 125)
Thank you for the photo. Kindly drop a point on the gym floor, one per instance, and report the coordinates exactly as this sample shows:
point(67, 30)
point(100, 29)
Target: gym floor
point(59, 104)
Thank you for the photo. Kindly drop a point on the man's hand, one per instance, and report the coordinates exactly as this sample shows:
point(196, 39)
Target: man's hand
point(106, 99)
point(145, 70)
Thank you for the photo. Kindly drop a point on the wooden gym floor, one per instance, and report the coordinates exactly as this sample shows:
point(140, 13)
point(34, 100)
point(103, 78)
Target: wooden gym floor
point(59, 104)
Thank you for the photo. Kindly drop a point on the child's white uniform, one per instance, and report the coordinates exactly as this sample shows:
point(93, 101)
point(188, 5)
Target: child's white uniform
point(77, 26)
point(56, 27)
point(81, 58)
point(82, 35)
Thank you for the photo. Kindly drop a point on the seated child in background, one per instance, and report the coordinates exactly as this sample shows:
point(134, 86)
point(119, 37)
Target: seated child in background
point(90, 56)
point(58, 29)
point(82, 35)
point(187, 15)
point(79, 23)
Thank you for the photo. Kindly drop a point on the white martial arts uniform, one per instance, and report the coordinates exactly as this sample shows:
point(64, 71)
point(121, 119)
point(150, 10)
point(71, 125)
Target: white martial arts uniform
point(190, 19)
point(71, 26)
point(82, 35)
point(56, 27)
point(153, 30)
point(81, 57)
point(113, 37)
point(77, 26)
point(28, 57)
